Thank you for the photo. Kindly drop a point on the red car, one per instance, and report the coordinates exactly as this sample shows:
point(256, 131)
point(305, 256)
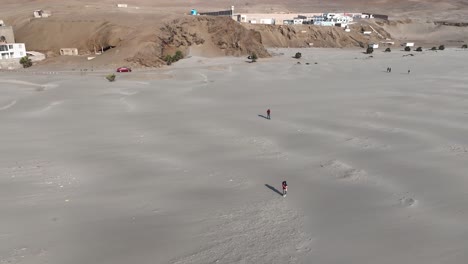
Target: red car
point(124, 69)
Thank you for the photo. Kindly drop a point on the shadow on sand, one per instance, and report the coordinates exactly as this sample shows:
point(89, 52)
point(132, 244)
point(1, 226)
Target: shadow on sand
point(263, 116)
point(273, 189)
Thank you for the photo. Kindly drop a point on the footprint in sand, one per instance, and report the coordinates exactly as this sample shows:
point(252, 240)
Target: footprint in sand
point(408, 202)
point(382, 128)
point(455, 149)
point(373, 114)
point(265, 148)
point(128, 92)
point(8, 105)
point(130, 107)
point(365, 143)
point(48, 107)
point(343, 171)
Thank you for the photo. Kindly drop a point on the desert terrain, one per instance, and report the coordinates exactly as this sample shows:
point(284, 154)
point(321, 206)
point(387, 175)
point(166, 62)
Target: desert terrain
point(145, 32)
point(178, 164)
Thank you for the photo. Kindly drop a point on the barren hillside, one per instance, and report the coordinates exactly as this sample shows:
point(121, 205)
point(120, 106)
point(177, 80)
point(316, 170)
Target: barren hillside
point(147, 30)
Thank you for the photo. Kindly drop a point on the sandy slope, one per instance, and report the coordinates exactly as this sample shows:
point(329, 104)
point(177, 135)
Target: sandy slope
point(177, 166)
point(137, 37)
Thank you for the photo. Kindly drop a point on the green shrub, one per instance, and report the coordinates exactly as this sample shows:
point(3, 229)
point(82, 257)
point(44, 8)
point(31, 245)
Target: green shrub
point(407, 49)
point(388, 50)
point(441, 47)
point(176, 57)
point(254, 57)
point(298, 55)
point(434, 48)
point(110, 77)
point(26, 62)
point(369, 50)
point(168, 59)
point(465, 46)
point(419, 49)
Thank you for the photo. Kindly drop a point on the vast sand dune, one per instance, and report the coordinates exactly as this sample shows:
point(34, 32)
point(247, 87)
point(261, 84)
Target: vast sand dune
point(178, 165)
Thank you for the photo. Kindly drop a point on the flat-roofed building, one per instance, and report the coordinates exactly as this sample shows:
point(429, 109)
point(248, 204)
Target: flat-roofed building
point(12, 51)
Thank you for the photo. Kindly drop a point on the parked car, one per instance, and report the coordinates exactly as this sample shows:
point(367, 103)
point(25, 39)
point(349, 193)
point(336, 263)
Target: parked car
point(124, 69)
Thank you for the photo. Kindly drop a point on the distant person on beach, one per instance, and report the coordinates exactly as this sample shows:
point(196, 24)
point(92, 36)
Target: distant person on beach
point(409, 71)
point(268, 113)
point(285, 188)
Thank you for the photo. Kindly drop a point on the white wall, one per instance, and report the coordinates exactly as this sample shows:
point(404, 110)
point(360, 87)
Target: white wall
point(12, 50)
point(268, 21)
point(297, 21)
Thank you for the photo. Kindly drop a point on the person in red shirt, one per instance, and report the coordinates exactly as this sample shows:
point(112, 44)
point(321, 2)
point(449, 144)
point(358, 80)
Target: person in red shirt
point(285, 188)
point(268, 113)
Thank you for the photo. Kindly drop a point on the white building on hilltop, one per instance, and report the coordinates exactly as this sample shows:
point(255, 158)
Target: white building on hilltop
point(12, 50)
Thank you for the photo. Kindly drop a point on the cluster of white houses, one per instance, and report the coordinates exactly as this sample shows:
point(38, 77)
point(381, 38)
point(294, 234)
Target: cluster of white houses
point(320, 19)
point(323, 19)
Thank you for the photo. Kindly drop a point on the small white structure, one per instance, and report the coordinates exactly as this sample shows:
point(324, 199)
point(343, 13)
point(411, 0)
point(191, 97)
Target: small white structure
point(329, 16)
point(69, 51)
point(342, 19)
point(35, 56)
point(243, 18)
point(253, 21)
point(41, 13)
point(409, 44)
point(319, 18)
point(267, 21)
point(374, 46)
point(2, 24)
point(324, 23)
point(298, 21)
point(12, 51)
point(347, 29)
point(122, 5)
point(367, 32)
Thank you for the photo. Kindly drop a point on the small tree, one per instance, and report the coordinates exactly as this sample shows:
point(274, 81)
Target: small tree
point(369, 50)
point(465, 46)
point(110, 77)
point(26, 62)
point(168, 59)
point(298, 55)
point(441, 47)
point(419, 49)
point(434, 48)
point(253, 57)
point(178, 55)
point(388, 50)
point(407, 49)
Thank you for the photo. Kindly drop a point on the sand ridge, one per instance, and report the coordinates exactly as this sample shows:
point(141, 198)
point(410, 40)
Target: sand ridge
point(186, 169)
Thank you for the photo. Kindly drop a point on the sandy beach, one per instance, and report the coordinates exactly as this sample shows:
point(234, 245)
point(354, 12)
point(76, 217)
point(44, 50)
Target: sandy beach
point(178, 165)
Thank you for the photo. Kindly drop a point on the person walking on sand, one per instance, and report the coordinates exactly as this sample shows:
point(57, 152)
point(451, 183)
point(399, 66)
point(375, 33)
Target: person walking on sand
point(285, 188)
point(409, 71)
point(268, 113)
